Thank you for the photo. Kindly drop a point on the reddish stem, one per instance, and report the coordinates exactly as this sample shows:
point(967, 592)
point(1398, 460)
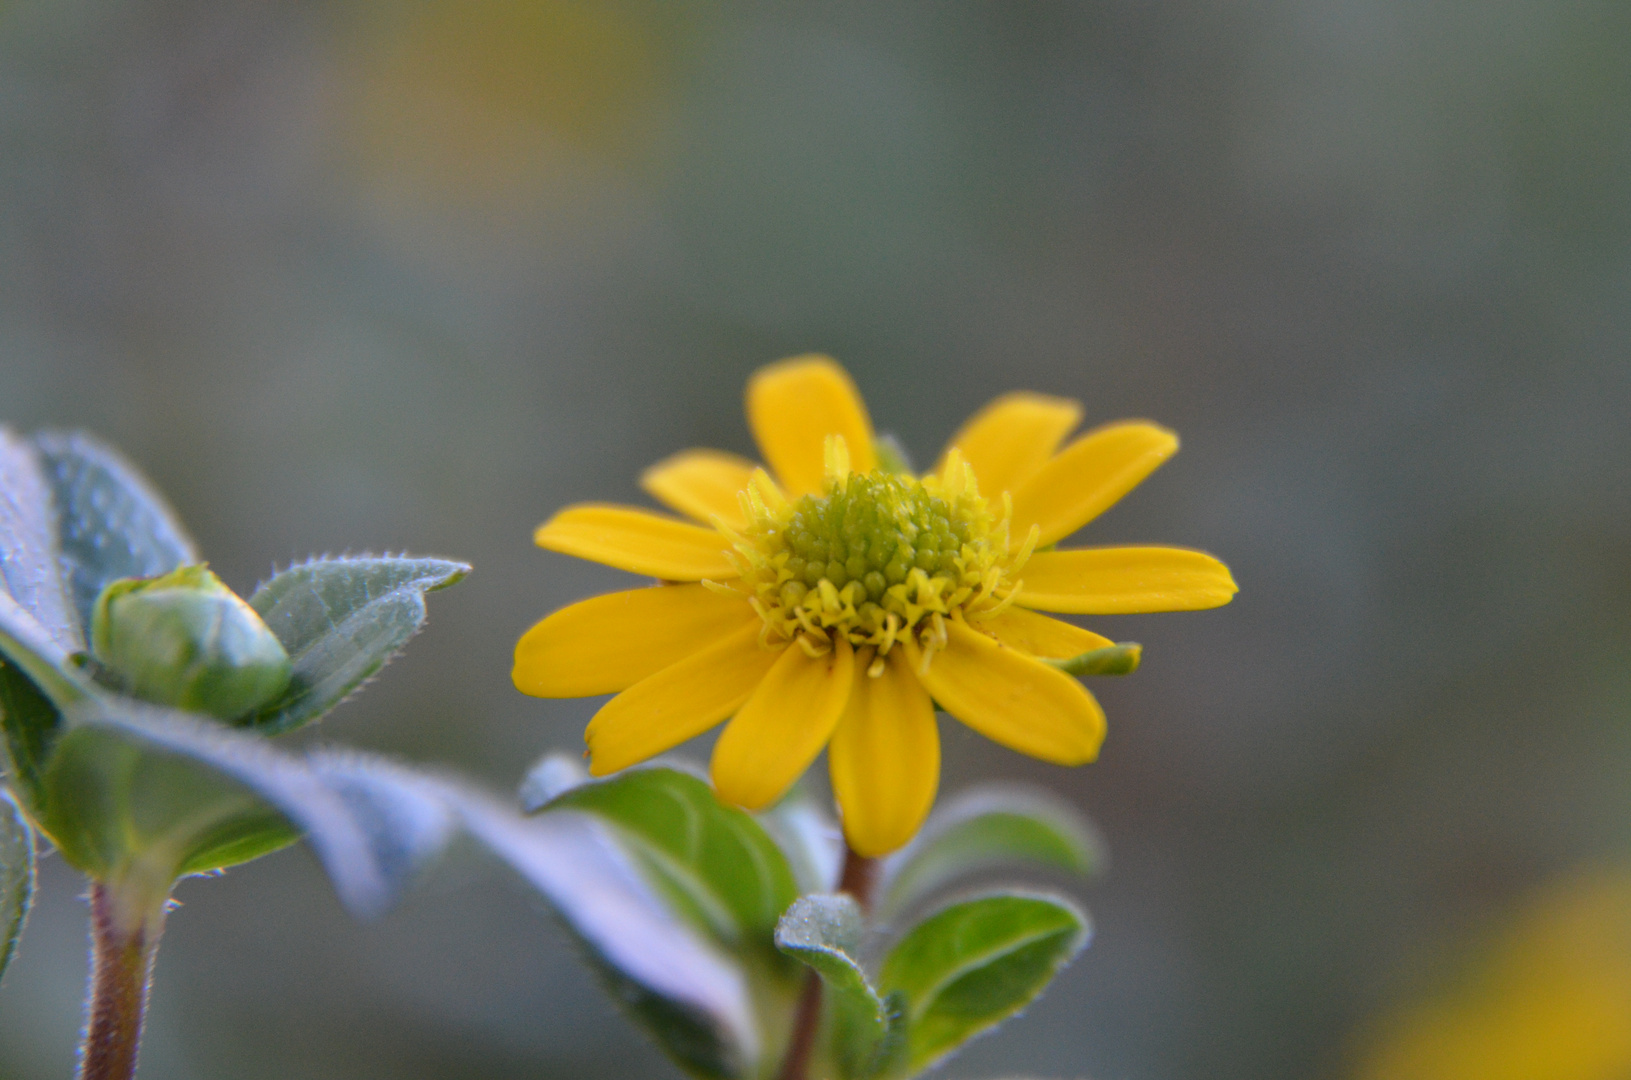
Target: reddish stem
point(123, 945)
point(857, 879)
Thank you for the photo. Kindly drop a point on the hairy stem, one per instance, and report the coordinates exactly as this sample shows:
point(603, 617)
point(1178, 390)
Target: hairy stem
point(857, 878)
point(123, 944)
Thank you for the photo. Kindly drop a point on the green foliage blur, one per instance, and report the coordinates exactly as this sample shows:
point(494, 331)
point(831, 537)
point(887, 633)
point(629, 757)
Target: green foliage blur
point(413, 275)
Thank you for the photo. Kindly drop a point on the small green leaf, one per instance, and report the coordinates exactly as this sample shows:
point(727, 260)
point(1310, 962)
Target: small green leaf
point(712, 860)
point(985, 827)
point(16, 875)
point(111, 523)
point(1111, 660)
point(341, 620)
point(971, 965)
point(863, 1032)
point(29, 568)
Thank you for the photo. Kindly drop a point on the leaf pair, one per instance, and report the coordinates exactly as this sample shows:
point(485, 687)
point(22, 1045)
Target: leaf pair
point(960, 972)
point(728, 876)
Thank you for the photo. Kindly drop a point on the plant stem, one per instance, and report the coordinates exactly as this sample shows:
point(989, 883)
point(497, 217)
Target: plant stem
point(860, 873)
point(856, 879)
point(123, 944)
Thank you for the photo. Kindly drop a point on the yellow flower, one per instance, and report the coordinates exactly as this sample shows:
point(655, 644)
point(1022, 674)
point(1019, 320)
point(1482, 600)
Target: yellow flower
point(831, 602)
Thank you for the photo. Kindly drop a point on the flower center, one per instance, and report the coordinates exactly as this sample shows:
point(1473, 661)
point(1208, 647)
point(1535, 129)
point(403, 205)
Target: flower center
point(875, 557)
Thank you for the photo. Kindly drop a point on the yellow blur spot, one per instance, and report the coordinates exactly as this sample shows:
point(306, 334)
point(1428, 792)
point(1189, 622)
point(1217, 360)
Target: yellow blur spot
point(1550, 1000)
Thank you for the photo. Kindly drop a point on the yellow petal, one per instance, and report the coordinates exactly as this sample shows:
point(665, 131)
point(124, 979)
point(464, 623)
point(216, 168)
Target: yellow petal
point(793, 405)
point(677, 703)
point(1124, 581)
point(701, 483)
point(637, 540)
point(783, 726)
point(1012, 437)
point(885, 758)
point(1039, 635)
point(609, 643)
point(1084, 479)
point(1010, 698)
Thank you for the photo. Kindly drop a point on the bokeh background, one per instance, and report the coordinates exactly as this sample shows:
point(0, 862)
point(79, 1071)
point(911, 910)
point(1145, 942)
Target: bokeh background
point(410, 275)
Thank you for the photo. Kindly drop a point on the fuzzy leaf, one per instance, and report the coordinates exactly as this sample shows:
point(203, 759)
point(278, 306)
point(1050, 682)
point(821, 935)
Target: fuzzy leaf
point(713, 861)
point(16, 875)
point(971, 965)
point(135, 788)
point(863, 1032)
point(29, 567)
point(696, 1003)
point(143, 790)
point(983, 828)
point(111, 523)
point(341, 620)
point(138, 790)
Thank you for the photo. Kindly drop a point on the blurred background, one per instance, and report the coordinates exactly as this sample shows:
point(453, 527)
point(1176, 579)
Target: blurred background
point(411, 275)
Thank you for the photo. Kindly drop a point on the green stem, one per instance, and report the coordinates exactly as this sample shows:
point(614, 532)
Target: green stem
point(123, 944)
point(857, 878)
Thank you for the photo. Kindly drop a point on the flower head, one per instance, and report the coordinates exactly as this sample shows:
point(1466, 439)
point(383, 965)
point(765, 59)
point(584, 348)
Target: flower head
point(831, 601)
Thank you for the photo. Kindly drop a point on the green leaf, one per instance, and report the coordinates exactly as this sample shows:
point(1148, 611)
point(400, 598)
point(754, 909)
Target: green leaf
point(983, 828)
point(29, 569)
point(1120, 659)
point(118, 809)
point(697, 1003)
point(863, 1033)
point(111, 523)
point(141, 794)
point(713, 861)
point(971, 965)
point(16, 875)
point(341, 620)
point(30, 723)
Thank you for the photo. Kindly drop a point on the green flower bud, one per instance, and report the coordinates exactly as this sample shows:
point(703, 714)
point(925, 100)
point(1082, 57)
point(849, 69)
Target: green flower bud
point(186, 640)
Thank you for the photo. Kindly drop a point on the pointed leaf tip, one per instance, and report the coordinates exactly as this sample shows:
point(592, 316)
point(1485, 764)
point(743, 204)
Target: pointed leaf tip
point(341, 620)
